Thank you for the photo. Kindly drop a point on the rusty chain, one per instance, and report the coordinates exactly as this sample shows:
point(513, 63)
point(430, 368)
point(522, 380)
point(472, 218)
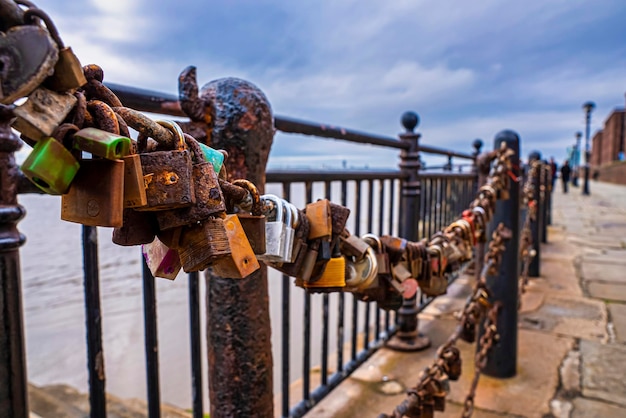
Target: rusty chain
point(527, 251)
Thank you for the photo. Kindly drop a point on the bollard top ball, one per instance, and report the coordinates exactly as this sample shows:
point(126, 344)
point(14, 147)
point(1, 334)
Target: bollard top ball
point(507, 135)
point(410, 120)
point(477, 144)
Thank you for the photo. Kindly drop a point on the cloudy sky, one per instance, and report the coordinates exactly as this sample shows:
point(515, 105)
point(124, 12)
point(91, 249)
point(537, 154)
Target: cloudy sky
point(469, 68)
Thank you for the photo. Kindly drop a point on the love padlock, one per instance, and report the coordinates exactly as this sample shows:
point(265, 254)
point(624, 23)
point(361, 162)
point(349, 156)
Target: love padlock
point(168, 174)
point(275, 230)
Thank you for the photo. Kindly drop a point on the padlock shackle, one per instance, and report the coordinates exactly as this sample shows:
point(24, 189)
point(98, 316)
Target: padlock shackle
point(276, 201)
point(257, 207)
point(194, 146)
point(287, 213)
point(176, 130)
point(371, 237)
point(32, 12)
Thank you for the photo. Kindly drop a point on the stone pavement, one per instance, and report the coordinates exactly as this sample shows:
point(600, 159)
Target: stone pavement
point(572, 329)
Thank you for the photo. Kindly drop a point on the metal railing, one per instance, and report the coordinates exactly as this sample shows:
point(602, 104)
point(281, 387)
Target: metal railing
point(377, 204)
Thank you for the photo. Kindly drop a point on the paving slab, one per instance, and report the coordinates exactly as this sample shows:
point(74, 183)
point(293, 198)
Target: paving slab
point(572, 316)
point(618, 317)
point(603, 370)
point(607, 291)
point(593, 271)
point(530, 391)
point(586, 408)
point(605, 256)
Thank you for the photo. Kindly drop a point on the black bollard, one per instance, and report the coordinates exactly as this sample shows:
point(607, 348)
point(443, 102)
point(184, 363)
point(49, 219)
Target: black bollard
point(502, 358)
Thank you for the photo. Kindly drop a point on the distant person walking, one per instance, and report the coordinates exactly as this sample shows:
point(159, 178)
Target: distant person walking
point(565, 172)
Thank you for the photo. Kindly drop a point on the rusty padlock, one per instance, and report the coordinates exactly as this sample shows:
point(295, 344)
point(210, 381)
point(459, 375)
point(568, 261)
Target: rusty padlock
point(435, 283)
point(241, 262)
point(137, 228)
point(96, 196)
point(42, 113)
point(253, 221)
point(320, 219)
point(208, 195)
point(204, 243)
point(167, 174)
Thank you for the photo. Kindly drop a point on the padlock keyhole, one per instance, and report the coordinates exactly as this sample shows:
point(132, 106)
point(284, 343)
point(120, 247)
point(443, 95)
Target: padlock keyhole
point(41, 183)
point(118, 148)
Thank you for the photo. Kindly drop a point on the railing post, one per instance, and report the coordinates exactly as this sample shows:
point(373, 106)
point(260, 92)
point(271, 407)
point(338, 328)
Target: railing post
point(13, 378)
point(545, 200)
point(238, 322)
point(502, 359)
point(408, 337)
point(448, 166)
point(534, 267)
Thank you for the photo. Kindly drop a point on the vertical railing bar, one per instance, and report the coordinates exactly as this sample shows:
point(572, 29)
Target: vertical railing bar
point(195, 343)
point(341, 297)
point(306, 366)
point(285, 330)
point(381, 224)
point(325, 312)
point(370, 228)
point(392, 196)
point(151, 342)
point(93, 314)
point(325, 332)
point(355, 304)
point(431, 209)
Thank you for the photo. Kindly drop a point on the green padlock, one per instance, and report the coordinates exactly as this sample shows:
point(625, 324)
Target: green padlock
point(102, 143)
point(213, 156)
point(50, 166)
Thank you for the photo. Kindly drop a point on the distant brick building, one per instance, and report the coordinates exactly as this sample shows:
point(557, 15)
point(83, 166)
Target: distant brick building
point(608, 147)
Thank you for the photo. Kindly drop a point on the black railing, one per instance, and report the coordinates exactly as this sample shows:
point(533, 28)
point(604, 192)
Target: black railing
point(359, 328)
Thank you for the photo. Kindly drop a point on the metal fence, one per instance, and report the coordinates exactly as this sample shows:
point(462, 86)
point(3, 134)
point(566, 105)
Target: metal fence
point(358, 329)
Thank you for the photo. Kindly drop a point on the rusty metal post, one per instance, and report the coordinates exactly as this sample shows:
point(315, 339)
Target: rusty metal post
point(408, 337)
point(534, 268)
point(238, 321)
point(502, 358)
point(13, 378)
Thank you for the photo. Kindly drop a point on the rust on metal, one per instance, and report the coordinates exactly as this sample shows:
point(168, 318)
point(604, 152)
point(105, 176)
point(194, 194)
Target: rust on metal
point(238, 324)
point(104, 116)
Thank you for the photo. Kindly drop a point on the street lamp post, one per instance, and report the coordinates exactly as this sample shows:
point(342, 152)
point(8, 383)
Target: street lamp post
point(588, 108)
point(576, 162)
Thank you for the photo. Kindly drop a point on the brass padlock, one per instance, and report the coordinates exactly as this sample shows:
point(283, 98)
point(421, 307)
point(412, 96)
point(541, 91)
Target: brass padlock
point(253, 222)
point(333, 276)
point(320, 220)
point(361, 273)
point(202, 244)
point(208, 194)
point(167, 174)
point(137, 228)
point(42, 113)
point(241, 262)
point(96, 196)
point(68, 73)
point(134, 185)
point(162, 261)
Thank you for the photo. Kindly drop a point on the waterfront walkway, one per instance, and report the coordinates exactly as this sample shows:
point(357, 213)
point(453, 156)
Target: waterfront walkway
point(572, 329)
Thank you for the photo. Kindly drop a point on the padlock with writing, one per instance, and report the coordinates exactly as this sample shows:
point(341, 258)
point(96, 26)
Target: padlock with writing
point(208, 195)
point(162, 261)
point(50, 166)
point(204, 243)
point(96, 196)
point(29, 55)
point(42, 113)
point(241, 262)
point(253, 220)
point(68, 73)
point(167, 174)
point(275, 230)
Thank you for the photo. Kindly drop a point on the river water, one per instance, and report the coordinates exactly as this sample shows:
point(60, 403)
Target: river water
point(52, 283)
